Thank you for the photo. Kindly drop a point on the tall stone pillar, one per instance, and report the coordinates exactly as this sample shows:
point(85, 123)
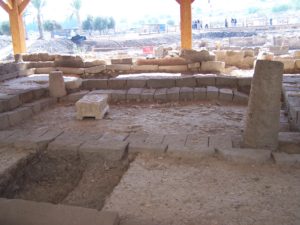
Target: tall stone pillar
point(57, 86)
point(263, 116)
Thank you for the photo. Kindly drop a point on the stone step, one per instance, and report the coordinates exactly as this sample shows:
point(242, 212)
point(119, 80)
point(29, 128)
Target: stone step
point(16, 212)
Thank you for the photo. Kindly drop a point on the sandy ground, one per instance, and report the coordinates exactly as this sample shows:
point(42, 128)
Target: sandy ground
point(201, 118)
point(174, 191)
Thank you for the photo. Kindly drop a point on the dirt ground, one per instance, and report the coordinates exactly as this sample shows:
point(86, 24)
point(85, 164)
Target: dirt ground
point(175, 191)
point(201, 118)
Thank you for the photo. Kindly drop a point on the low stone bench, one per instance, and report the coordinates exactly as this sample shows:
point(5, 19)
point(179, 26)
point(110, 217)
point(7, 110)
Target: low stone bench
point(92, 106)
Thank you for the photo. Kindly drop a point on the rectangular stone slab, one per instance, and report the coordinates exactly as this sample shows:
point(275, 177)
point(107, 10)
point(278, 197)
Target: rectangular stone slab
point(92, 106)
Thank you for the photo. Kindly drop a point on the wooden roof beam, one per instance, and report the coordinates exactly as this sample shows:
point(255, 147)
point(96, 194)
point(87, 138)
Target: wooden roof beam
point(23, 5)
point(5, 6)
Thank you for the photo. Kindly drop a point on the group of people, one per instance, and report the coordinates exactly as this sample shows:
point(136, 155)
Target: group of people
point(197, 25)
point(233, 22)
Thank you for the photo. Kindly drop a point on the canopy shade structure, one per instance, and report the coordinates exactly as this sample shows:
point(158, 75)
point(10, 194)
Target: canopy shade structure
point(15, 9)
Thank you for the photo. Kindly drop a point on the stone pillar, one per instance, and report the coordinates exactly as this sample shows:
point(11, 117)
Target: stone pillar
point(263, 116)
point(57, 86)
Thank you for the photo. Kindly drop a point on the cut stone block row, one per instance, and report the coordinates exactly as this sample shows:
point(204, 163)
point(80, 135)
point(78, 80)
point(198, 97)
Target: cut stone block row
point(154, 83)
point(18, 115)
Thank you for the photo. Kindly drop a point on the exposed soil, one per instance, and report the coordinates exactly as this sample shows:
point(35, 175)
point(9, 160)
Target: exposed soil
point(202, 118)
point(179, 191)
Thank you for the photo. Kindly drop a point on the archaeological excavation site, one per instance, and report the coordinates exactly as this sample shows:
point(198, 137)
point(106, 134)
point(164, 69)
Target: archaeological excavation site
point(189, 127)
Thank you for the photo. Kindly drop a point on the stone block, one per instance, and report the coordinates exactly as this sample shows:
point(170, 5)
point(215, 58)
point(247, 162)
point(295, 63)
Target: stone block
point(117, 83)
point(145, 68)
point(92, 84)
point(186, 94)
point(71, 71)
point(45, 70)
point(248, 62)
point(47, 102)
point(45, 64)
point(225, 94)
point(192, 56)
point(4, 121)
point(39, 93)
point(279, 50)
point(240, 98)
point(212, 93)
point(226, 81)
point(173, 140)
point(212, 67)
point(118, 67)
point(136, 83)
point(107, 136)
point(19, 115)
point(234, 58)
point(160, 95)
point(94, 63)
point(92, 106)
point(186, 82)
point(34, 106)
point(69, 61)
point(57, 86)
point(138, 137)
point(173, 69)
point(73, 84)
point(285, 159)
point(9, 102)
point(204, 81)
point(26, 96)
point(167, 61)
point(296, 54)
point(161, 83)
point(297, 65)
point(173, 94)
point(121, 61)
point(245, 155)
point(147, 95)
point(288, 64)
point(194, 66)
point(289, 142)
point(197, 140)
point(134, 94)
point(118, 95)
point(200, 93)
point(15, 212)
point(109, 150)
point(244, 81)
point(95, 69)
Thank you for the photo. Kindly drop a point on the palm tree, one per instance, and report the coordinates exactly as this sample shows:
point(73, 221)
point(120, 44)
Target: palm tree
point(76, 6)
point(38, 5)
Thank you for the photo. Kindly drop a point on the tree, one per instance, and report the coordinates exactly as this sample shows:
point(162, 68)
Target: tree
point(100, 24)
point(253, 10)
point(51, 25)
point(171, 22)
point(280, 8)
point(111, 23)
point(88, 23)
point(295, 4)
point(38, 5)
point(5, 28)
point(76, 7)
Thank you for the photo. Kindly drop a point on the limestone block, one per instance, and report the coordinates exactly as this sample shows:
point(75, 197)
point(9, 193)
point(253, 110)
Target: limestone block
point(134, 94)
point(285, 159)
point(153, 68)
point(212, 93)
point(195, 56)
point(173, 94)
point(225, 94)
point(91, 84)
point(194, 66)
point(94, 63)
point(136, 83)
point(116, 83)
point(19, 115)
point(173, 69)
point(244, 81)
point(297, 65)
point(240, 98)
point(69, 61)
point(207, 80)
point(70, 70)
point(40, 64)
point(167, 61)
point(186, 94)
point(118, 95)
point(122, 61)
point(147, 147)
point(265, 56)
point(288, 64)
point(57, 86)
point(279, 50)
point(45, 70)
point(186, 82)
point(26, 96)
point(262, 122)
point(226, 81)
point(200, 93)
point(73, 97)
point(161, 83)
point(218, 142)
point(234, 58)
point(147, 95)
point(95, 69)
point(4, 121)
point(160, 95)
point(119, 67)
point(73, 83)
point(296, 54)
point(92, 106)
point(103, 92)
point(249, 52)
point(220, 55)
point(212, 67)
point(289, 142)
point(34, 106)
point(248, 62)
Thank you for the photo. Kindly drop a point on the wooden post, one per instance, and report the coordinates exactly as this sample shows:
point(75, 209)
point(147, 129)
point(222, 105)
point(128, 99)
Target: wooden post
point(186, 23)
point(15, 8)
